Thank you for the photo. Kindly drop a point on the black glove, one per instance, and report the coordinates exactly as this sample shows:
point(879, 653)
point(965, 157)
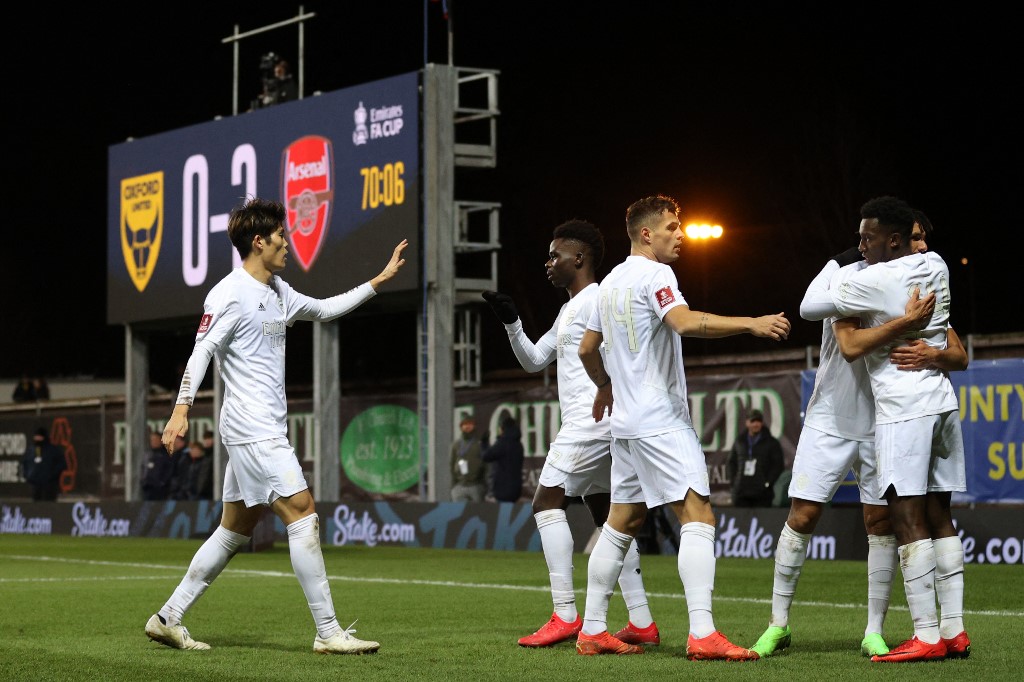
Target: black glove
point(851, 255)
point(502, 306)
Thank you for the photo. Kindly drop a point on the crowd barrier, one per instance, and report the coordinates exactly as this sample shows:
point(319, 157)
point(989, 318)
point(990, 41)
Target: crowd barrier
point(990, 535)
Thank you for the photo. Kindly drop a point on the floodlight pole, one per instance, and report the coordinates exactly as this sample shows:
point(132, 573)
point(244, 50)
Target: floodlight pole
point(236, 37)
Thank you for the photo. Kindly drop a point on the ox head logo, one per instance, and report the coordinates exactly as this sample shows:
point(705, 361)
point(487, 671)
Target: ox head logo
point(142, 222)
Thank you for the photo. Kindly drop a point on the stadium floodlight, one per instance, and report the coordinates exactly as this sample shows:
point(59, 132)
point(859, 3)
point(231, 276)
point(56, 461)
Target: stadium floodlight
point(703, 231)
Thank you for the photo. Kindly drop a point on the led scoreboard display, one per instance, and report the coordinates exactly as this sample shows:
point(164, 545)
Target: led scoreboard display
point(345, 164)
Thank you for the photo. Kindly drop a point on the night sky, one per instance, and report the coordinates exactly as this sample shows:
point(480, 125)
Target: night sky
point(776, 120)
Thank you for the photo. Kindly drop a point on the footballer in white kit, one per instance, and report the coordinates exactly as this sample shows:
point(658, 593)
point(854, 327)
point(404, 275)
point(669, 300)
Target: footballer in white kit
point(837, 436)
point(578, 461)
point(918, 441)
point(876, 295)
point(644, 359)
point(578, 457)
point(243, 326)
point(244, 323)
point(656, 454)
point(838, 431)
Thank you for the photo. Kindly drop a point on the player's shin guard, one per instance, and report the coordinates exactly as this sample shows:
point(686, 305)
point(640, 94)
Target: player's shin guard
point(917, 561)
point(789, 562)
point(208, 562)
point(949, 585)
point(308, 564)
point(631, 582)
point(556, 541)
point(603, 571)
point(881, 571)
point(696, 565)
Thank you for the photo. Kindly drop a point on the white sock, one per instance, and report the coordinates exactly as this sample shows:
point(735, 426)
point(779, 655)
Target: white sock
point(632, 585)
point(696, 563)
point(308, 564)
point(881, 569)
point(603, 571)
point(208, 562)
point(917, 561)
point(790, 553)
point(556, 541)
point(949, 585)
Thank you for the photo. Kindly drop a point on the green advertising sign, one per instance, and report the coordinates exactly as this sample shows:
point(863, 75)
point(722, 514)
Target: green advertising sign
point(380, 449)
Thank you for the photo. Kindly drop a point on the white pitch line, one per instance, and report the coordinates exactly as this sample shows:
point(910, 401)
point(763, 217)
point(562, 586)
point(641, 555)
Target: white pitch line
point(408, 581)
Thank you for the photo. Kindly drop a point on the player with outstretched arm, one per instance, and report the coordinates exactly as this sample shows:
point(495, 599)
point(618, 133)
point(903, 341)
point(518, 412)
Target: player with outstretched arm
point(244, 321)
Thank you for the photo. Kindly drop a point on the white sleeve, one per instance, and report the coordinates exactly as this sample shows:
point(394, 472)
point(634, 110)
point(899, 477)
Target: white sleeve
point(195, 371)
point(327, 309)
point(217, 328)
point(533, 357)
point(817, 303)
point(594, 323)
point(856, 294)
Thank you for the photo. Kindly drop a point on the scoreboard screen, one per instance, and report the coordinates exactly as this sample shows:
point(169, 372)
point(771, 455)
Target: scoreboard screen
point(345, 164)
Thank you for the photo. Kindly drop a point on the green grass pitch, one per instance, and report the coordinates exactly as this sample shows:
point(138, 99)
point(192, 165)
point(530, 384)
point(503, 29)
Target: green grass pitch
point(75, 608)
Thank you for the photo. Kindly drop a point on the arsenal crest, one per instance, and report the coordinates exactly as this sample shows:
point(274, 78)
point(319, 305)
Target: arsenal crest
point(307, 175)
point(142, 220)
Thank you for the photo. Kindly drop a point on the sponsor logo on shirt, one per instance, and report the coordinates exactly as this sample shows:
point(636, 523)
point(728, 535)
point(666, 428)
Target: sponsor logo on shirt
point(275, 331)
point(664, 296)
point(273, 328)
point(204, 324)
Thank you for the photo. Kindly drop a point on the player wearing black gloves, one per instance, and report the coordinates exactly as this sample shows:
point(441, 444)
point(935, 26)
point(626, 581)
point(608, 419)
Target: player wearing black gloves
point(851, 255)
point(579, 459)
point(502, 305)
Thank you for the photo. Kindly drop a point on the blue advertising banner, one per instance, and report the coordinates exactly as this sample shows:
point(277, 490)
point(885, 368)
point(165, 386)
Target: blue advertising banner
point(991, 394)
point(989, 536)
point(345, 164)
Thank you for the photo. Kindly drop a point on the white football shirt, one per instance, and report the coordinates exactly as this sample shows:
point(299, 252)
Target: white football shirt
point(243, 327)
point(561, 344)
point(841, 403)
point(879, 293)
point(643, 356)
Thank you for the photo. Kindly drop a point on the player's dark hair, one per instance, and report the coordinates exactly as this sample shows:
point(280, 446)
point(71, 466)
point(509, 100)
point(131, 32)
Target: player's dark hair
point(586, 234)
point(926, 225)
point(255, 217)
point(642, 211)
point(891, 213)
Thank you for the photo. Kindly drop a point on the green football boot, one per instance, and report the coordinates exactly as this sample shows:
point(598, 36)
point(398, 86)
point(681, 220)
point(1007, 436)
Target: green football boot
point(873, 645)
point(773, 640)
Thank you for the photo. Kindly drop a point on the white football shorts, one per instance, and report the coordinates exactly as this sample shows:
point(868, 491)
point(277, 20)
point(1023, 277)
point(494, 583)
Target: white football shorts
point(261, 472)
point(822, 462)
point(658, 469)
point(921, 455)
point(581, 467)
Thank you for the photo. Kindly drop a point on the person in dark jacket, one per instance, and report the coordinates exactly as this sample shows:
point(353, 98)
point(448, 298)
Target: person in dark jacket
point(181, 463)
point(25, 391)
point(506, 458)
point(755, 463)
point(156, 478)
point(200, 472)
point(42, 465)
point(469, 472)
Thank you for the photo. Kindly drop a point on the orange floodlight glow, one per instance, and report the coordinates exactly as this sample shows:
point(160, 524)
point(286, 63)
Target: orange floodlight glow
point(703, 231)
